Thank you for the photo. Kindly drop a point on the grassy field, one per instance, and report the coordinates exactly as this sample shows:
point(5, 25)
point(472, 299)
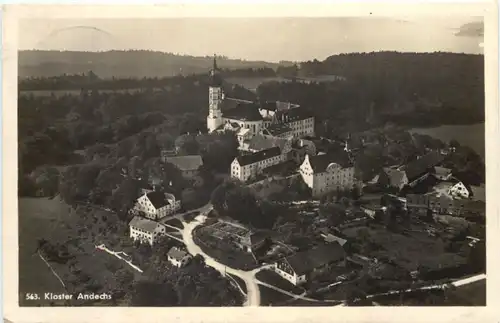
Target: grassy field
point(271, 297)
point(44, 218)
point(469, 295)
point(272, 278)
point(38, 218)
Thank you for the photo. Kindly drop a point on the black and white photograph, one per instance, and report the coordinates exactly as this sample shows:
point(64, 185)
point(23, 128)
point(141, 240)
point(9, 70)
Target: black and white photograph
point(251, 161)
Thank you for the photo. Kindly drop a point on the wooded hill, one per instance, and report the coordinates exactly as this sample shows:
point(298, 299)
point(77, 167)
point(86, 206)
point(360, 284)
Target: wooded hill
point(122, 64)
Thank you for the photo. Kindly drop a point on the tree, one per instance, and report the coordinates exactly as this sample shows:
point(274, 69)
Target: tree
point(363, 234)
point(454, 143)
point(47, 180)
point(344, 201)
point(187, 145)
point(124, 277)
point(355, 195)
point(149, 293)
point(122, 198)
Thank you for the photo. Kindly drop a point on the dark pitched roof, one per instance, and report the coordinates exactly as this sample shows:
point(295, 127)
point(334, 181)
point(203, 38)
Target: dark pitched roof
point(144, 224)
point(333, 238)
point(260, 142)
point(184, 163)
point(241, 110)
point(420, 166)
point(258, 156)
point(254, 238)
point(157, 198)
point(395, 176)
point(292, 114)
point(176, 253)
point(443, 171)
point(319, 163)
point(231, 103)
point(285, 168)
point(269, 105)
point(277, 129)
point(306, 261)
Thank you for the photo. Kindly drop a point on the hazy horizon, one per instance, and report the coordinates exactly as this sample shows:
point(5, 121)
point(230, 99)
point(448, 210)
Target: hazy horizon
point(291, 39)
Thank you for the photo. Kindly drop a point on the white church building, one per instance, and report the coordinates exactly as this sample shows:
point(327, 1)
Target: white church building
point(248, 118)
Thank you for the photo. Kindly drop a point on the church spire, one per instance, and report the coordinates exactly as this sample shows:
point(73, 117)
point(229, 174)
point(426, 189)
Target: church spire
point(215, 77)
point(215, 62)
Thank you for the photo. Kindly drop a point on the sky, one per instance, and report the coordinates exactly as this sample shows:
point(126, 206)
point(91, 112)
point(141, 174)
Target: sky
point(269, 39)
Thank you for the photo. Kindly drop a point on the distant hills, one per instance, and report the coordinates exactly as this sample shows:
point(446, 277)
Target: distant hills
point(123, 64)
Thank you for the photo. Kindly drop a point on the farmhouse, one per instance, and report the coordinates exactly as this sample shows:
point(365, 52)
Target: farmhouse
point(410, 174)
point(305, 266)
point(178, 257)
point(326, 173)
point(419, 204)
point(250, 165)
point(188, 165)
point(419, 169)
point(157, 204)
point(145, 230)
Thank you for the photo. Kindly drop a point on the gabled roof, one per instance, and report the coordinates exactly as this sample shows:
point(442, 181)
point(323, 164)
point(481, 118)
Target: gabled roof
point(306, 261)
point(242, 131)
point(333, 238)
point(244, 160)
point(253, 238)
point(158, 199)
point(260, 142)
point(319, 163)
point(293, 114)
point(176, 253)
point(277, 129)
point(420, 166)
point(186, 163)
point(395, 176)
point(241, 110)
point(230, 103)
point(269, 105)
point(442, 171)
point(144, 224)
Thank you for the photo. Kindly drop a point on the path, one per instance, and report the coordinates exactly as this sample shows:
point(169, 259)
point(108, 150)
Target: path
point(52, 269)
point(118, 255)
point(457, 283)
point(295, 296)
point(253, 293)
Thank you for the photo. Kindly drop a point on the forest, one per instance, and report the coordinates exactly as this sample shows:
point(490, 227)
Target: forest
point(403, 88)
point(97, 127)
point(124, 64)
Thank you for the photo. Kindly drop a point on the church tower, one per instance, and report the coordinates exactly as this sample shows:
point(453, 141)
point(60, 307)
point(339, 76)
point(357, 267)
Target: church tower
point(215, 98)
